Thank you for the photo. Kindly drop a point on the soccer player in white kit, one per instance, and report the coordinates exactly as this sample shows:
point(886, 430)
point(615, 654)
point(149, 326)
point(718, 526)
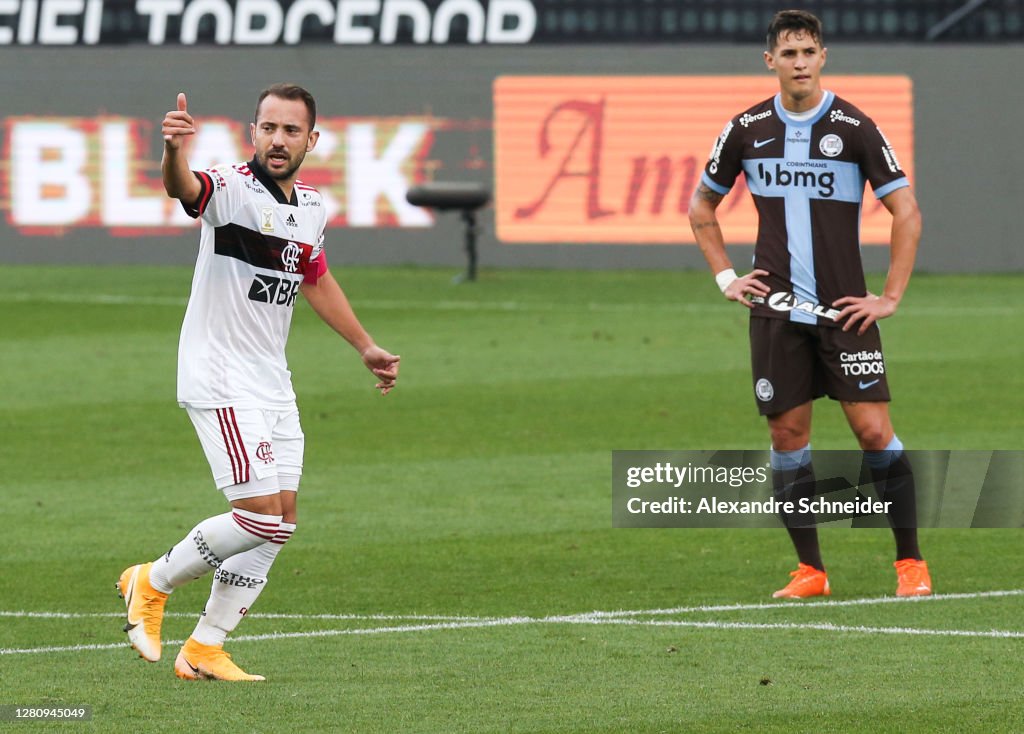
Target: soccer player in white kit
point(261, 244)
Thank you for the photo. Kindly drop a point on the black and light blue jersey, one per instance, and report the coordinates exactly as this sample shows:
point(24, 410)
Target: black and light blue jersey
point(807, 179)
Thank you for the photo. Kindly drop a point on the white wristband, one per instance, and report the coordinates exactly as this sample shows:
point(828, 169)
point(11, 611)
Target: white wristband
point(725, 278)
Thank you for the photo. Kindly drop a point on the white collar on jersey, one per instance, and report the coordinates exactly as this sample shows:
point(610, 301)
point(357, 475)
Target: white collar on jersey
point(807, 115)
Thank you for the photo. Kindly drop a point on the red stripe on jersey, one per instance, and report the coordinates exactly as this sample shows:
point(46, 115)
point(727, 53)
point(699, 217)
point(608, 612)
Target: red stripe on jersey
point(206, 194)
point(252, 527)
point(228, 445)
point(241, 444)
point(196, 208)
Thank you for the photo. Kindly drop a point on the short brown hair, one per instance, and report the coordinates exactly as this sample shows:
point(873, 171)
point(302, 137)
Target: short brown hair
point(788, 21)
point(289, 91)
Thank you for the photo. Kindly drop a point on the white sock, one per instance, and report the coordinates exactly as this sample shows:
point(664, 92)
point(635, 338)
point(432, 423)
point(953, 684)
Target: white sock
point(236, 585)
point(209, 544)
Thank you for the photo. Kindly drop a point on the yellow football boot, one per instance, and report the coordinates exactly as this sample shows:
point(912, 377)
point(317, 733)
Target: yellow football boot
point(198, 662)
point(145, 610)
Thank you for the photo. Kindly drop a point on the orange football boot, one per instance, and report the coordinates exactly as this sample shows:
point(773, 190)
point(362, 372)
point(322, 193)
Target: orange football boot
point(912, 578)
point(807, 581)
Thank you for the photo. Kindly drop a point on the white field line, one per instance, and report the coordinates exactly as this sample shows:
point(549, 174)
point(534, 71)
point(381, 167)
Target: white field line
point(592, 618)
point(822, 626)
point(113, 299)
point(494, 622)
point(798, 604)
point(784, 604)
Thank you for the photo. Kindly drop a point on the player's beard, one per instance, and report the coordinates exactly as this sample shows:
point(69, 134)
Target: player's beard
point(283, 174)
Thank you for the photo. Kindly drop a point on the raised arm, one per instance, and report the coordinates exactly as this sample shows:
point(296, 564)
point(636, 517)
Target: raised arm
point(708, 233)
point(330, 304)
point(179, 181)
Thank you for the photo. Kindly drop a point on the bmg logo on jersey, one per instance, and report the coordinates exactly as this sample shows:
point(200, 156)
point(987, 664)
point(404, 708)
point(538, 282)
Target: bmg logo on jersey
point(823, 181)
point(277, 291)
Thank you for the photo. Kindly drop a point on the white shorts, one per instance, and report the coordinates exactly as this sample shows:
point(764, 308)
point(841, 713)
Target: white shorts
point(251, 451)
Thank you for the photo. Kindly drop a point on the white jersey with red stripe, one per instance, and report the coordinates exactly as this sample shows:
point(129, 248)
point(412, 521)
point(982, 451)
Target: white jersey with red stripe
point(255, 249)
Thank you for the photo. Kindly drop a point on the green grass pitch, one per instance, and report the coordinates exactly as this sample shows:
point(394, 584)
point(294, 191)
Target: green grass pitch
point(454, 538)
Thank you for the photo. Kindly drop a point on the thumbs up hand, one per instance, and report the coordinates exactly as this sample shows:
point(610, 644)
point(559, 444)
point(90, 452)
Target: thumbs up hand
point(177, 124)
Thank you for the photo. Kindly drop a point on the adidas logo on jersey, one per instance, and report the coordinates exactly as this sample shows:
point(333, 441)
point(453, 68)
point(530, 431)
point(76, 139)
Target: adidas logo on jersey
point(824, 181)
point(290, 221)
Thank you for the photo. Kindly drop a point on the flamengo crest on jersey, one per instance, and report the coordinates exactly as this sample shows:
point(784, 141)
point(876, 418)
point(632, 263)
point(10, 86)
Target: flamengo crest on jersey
point(255, 250)
point(807, 180)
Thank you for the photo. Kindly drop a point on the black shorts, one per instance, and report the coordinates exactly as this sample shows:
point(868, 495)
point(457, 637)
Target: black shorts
point(794, 363)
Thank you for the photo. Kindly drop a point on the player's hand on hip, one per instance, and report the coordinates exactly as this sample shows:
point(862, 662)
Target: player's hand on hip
point(383, 365)
point(865, 310)
point(748, 285)
point(177, 124)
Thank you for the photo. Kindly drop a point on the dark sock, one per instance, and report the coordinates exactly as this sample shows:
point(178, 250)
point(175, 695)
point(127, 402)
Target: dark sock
point(805, 540)
point(793, 480)
point(894, 482)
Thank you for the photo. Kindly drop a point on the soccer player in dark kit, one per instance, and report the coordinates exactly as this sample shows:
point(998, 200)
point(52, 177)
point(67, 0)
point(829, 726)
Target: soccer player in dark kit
point(806, 154)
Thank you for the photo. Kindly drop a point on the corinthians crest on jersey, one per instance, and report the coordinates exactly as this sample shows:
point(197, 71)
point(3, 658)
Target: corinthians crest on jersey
point(256, 249)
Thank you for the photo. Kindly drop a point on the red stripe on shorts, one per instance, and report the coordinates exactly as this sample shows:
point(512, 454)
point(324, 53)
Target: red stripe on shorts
point(241, 446)
point(228, 445)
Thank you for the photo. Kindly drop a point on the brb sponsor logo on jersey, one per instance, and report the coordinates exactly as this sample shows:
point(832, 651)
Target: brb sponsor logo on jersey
point(270, 289)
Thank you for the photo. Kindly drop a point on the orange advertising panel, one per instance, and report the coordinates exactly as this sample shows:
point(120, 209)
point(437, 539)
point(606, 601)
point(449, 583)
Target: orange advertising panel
point(616, 159)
